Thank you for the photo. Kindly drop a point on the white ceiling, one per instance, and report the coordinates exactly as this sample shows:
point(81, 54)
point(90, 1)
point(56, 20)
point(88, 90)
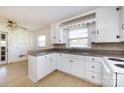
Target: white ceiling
point(40, 17)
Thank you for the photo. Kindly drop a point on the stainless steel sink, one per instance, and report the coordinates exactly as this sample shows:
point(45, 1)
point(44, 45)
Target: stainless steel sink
point(116, 59)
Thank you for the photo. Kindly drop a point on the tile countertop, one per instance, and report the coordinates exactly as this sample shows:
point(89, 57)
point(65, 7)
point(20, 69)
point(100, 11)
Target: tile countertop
point(84, 52)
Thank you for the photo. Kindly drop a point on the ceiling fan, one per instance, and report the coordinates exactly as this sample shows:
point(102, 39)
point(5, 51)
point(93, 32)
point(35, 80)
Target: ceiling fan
point(12, 25)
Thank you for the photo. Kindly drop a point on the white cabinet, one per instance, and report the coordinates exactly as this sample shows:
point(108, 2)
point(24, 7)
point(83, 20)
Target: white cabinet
point(121, 26)
point(53, 61)
point(93, 77)
point(93, 69)
point(73, 64)
point(42, 65)
point(39, 67)
point(58, 61)
point(66, 65)
point(107, 24)
point(78, 68)
point(32, 68)
point(57, 34)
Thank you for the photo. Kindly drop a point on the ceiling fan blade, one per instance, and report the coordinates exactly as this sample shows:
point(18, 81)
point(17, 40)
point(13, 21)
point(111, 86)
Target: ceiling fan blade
point(22, 27)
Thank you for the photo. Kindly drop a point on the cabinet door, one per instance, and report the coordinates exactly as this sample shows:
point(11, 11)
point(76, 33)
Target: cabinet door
point(52, 33)
point(78, 68)
point(44, 66)
point(107, 24)
point(48, 64)
point(32, 68)
point(57, 34)
point(66, 65)
point(121, 26)
point(53, 61)
point(59, 62)
point(41, 69)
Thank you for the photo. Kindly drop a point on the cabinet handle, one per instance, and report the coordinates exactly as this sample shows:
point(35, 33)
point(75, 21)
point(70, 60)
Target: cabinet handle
point(97, 31)
point(93, 59)
point(117, 9)
point(71, 61)
point(117, 36)
point(92, 66)
point(92, 76)
point(59, 40)
point(122, 26)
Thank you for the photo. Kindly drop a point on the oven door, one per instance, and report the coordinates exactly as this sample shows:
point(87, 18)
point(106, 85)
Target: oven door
point(109, 78)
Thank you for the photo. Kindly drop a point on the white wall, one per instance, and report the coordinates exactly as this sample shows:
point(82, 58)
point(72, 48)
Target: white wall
point(19, 42)
point(42, 32)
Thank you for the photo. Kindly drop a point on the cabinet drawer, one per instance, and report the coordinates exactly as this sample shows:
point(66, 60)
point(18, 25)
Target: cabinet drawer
point(40, 58)
point(71, 56)
point(93, 66)
point(93, 59)
point(93, 77)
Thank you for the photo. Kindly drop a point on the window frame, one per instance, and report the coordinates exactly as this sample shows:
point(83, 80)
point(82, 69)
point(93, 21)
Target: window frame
point(88, 38)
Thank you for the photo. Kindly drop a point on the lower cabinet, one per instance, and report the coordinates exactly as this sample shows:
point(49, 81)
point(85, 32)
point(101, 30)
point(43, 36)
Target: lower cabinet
point(78, 68)
point(73, 65)
point(85, 67)
point(66, 65)
point(39, 67)
point(58, 61)
point(53, 61)
point(93, 69)
point(93, 77)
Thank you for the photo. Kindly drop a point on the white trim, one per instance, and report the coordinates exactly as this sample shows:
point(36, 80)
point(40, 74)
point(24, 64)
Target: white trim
point(81, 15)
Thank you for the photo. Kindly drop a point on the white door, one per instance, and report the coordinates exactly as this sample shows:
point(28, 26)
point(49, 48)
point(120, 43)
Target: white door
point(107, 24)
point(78, 68)
point(3, 48)
point(66, 65)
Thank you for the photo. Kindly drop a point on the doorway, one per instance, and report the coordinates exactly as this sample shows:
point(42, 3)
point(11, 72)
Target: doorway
point(3, 48)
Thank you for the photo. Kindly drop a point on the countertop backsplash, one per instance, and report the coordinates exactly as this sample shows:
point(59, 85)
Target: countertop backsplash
point(100, 46)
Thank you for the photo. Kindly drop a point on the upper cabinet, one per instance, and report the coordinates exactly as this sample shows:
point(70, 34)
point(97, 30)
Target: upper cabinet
point(121, 26)
point(107, 25)
point(57, 34)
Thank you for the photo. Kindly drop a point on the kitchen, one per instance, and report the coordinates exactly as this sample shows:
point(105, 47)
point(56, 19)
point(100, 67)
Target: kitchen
point(85, 47)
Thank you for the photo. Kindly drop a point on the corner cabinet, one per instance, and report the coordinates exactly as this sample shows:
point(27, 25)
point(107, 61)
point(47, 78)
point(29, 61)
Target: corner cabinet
point(40, 66)
point(107, 24)
point(57, 35)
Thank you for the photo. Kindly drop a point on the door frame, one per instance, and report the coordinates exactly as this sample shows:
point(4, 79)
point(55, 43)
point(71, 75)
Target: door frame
point(6, 51)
